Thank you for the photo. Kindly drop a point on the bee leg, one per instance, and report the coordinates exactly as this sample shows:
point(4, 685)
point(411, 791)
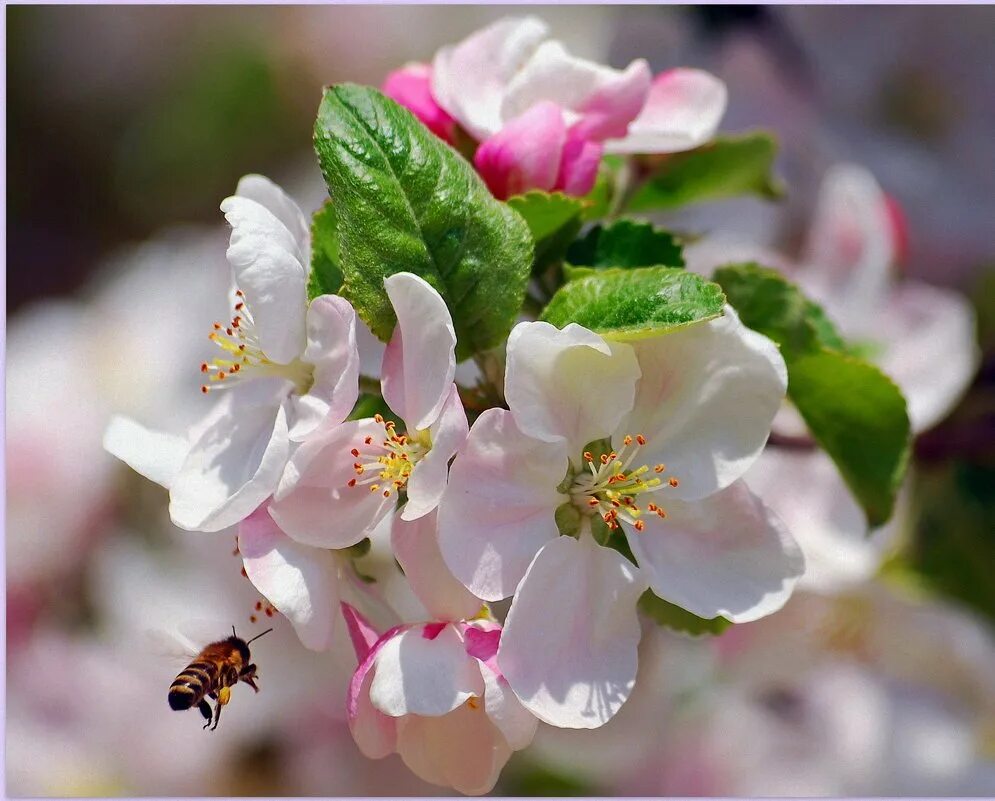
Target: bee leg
point(205, 710)
point(224, 695)
point(249, 676)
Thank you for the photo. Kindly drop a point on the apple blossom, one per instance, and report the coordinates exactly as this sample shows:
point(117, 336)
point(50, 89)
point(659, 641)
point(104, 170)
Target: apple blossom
point(687, 413)
point(288, 366)
point(433, 693)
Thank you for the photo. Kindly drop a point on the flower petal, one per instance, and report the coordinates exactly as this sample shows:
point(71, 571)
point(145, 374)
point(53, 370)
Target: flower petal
point(421, 674)
point(420, 361)
point(233, 466)
point(271, 272)
point(428, 478)
point(578, 165)
point(154, 454)
point(462, 750)
point(568, 385)
point(569, 646)
point(727, 554)
point(361, 632)
point(331, 348)
point(416, 548)
point(266, 193)
point(301, 582)
point(682, 111)
point(604, 100)
point(706, 401)
point(374, 732)
point(525, 154)
point(498, 508)
point(514, 721)
point(469, 78)
point(411, 86)
point(314, 503)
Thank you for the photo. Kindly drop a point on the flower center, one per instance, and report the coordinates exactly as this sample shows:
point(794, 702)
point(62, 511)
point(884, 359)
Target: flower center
point(385, 463)
point(244, 357)
point(610, 489)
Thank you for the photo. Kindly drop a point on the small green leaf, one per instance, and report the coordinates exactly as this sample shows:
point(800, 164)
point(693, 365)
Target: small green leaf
point(325, 277)
point(858, 416)
point(726, 167)
point(678, 619)
point(600, 199)
point(554, 220)
point(626, 243)
point(632, 304)
point(406, 201)
point(370, 405)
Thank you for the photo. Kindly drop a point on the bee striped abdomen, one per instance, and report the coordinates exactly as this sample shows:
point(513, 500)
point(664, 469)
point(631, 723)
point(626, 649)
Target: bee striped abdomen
point(197, 680)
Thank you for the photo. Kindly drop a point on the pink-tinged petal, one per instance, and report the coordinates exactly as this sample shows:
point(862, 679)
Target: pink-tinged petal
point(416, 548)
point(314, 503)
point(603, 101)
point(420, 361)
point(727, 555)
point(705, 403)
point(421, 675)
point(374, 732)
point(462, 750)
point(516, 724)
point(411, 86)
point(266, 193)
point(234, 465)
point(932, 349)
point(482, 644)
point(428, 479)
point(578, 165)
point(525, 154)
point(371, 350)
point(331, 348)
point(899, 228)
point(499, 507)
point(569, 646)
point(154, 454)
point(469, 78)
point(361, 631)
point(301, 582)
point(271, 271)
point(568, 385)
point(683, 110)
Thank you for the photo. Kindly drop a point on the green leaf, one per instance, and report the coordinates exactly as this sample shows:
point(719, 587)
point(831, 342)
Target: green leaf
point(632, 304)
point(767, 302)
point(626, 243)
point(406, 201)
point(858, 416)
point(674, 617)
point(554, 220)
point(326, 276)
point(371, 404)
point(726, 167)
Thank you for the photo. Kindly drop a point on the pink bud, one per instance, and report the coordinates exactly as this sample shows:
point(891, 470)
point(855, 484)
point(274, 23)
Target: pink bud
point(411, 87)
point(525, 154)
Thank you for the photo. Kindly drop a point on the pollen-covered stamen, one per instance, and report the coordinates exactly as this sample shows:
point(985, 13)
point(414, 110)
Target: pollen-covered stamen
point(245, 358)
point(385, 463)
point(610, 489)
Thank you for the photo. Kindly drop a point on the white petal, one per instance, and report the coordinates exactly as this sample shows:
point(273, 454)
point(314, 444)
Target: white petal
point(301, 582)
point(421, 674)
point(498, 508)
point(314, 503)
point(266, 193)
point(428, 479)
point(568, 385)
point(371, 350)
point(469, 79)
point(233, 466)
point(331, 348)
point(569, 646)
point(683, 110)
point(705, 402)
point(420, 361)
point(416, 548)
point(514, 721)
point(462, 750)
point(154, 454)
point(606, 100)
point(727, 555)
point(374, 732)
point(269, 270)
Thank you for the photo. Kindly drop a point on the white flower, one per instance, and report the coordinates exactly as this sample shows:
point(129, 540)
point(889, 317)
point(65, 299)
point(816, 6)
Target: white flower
point(687, 413)
point(286, 368)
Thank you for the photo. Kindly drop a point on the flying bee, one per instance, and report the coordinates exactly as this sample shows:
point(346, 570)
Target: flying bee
point(212, 673)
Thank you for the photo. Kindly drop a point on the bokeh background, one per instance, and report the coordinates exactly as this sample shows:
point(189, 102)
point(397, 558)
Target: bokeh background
point(126, 128)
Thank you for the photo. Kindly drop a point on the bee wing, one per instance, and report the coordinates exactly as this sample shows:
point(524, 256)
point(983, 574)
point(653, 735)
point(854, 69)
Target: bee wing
point(201, 631)
point(170, 645)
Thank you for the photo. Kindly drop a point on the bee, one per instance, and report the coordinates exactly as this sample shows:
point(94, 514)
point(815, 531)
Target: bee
point(212, 673)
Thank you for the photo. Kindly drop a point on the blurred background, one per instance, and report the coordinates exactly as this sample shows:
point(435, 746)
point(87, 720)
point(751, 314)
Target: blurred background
point(126, 128)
